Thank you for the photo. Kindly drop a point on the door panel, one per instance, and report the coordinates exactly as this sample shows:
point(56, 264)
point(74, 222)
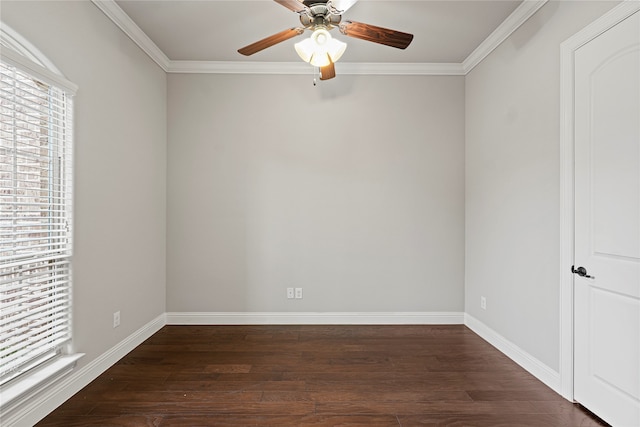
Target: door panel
point(607, 234)
point(616, 156)
point(616, 349)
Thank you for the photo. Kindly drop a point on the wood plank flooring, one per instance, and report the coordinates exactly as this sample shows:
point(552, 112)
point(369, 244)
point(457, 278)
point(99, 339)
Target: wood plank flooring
point(317, 376)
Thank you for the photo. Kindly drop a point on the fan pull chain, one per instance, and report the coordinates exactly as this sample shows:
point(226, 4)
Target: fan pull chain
point(316, 74)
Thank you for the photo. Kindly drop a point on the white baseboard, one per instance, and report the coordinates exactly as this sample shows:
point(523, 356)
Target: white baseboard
point(535, 367)
point(40, 405)
point(387, 318)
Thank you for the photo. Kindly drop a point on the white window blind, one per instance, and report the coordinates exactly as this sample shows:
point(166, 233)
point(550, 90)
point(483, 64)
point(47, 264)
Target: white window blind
point(35, 221)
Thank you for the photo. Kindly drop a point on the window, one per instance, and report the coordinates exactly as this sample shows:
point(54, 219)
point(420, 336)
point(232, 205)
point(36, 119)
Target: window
point(35, 220)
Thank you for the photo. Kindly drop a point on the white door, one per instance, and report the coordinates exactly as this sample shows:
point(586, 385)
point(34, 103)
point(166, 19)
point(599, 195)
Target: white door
point(607, 224)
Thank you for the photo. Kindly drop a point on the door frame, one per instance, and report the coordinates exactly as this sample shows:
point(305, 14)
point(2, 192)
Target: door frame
point(567, 180)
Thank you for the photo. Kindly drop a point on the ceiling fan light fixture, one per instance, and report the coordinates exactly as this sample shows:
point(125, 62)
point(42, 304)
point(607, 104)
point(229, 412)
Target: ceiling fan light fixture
point(320, 49)
point(305, 49)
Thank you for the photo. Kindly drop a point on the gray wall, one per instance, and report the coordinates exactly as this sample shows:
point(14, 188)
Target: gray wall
point(513, 178)
point(120, 167)
point(352, 190)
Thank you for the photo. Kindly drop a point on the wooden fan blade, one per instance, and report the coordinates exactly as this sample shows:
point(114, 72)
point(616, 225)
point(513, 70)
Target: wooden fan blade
point(375, 34)
point(270, 41)
point(328, 71)
point(294, 5)
point(343, 5)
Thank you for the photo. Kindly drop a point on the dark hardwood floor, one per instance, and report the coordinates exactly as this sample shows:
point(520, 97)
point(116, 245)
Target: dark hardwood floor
point(317, 376)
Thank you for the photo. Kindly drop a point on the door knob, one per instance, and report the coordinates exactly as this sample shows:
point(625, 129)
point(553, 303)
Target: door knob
point(581, 271)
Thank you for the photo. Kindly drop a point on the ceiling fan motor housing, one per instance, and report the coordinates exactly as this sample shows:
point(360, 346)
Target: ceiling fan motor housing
point(319, 15)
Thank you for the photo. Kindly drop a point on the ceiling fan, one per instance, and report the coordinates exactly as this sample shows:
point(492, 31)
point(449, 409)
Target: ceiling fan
point(321, 50)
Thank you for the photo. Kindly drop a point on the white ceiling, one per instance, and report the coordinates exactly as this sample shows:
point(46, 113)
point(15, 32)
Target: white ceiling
point(446, 31)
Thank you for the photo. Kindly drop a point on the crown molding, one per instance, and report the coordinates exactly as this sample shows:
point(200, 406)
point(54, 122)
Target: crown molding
point(131, 29)
point(422, 69)
point(518, 17)
point(523, 12)
point(343, 68)
point(238, 67)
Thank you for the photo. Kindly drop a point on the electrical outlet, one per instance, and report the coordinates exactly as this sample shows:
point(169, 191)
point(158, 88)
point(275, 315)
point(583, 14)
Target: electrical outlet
point(483, 303)
point(116, 319)
point(298, 293)
point(290, 294)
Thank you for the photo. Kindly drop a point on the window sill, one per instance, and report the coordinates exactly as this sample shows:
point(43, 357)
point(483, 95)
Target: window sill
point(41, 377)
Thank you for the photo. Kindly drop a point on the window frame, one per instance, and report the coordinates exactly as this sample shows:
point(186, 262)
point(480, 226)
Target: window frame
point(19, 53)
